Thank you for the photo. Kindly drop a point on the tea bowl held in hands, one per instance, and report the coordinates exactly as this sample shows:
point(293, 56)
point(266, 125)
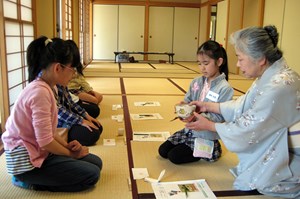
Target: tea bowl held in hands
point(184, 111)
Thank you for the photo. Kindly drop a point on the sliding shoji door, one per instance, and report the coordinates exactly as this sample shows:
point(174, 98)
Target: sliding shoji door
point(160, 31)
point(131, 29)
point(66, 19)
point(18, 33)
point(117, 28)
point(185, 41)
point(84, 31)
point(105, 31)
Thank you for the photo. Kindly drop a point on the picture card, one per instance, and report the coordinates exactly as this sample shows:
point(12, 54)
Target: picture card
point(147, 103)
point(109, 142)
point(150, 136)
point(116, 106)
point(146, 116)
point(139, 173)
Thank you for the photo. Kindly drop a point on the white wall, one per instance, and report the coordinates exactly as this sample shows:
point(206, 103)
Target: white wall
point(285, 15)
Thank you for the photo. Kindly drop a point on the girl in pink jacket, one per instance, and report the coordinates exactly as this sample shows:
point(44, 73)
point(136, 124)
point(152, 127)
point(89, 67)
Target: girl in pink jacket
point(37, 157)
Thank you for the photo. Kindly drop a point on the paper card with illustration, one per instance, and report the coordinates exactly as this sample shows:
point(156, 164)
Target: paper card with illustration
point(109, 142)
point(192, 189)
point(139, 173)
point(118, 118)
point(150, 136)
point(147, 103)
point(146, 116)
point(116, 106)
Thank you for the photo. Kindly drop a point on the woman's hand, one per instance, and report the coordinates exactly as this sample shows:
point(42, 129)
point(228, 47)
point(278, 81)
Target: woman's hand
point(200, 106)
point(201, 123)
point(188, 119)
point(203, 107)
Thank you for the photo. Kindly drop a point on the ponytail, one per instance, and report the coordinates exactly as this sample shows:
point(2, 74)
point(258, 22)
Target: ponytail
point(42, 52)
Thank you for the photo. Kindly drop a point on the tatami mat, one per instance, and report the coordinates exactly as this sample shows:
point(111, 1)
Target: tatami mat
point(150, 86)
point(168, 66)
point(105, 85)
point(136, 65)
point(183, 83)
point(190, 65)
point(155, 70)
point(241, 85)
point(104, 67)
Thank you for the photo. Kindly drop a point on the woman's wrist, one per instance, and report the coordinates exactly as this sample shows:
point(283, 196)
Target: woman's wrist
point(211, 126)
point(213, 107)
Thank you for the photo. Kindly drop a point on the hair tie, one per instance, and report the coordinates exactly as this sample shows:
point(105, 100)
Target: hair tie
point(40, 74)
point(48, 41)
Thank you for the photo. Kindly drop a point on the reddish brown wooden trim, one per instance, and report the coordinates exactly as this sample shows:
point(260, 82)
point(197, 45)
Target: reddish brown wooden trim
point(149, 3)
point(261, 12)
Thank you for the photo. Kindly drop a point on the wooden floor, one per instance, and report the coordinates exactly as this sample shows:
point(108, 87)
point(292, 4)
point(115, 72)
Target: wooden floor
point(126, 83)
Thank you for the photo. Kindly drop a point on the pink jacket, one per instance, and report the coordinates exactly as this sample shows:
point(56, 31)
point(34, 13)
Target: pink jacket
point(32, 122)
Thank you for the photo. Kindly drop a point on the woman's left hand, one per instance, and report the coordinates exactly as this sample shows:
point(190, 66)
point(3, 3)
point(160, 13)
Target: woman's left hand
point(201, 123)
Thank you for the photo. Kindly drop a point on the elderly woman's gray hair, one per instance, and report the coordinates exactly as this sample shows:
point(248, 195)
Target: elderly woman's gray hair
point(258, 42)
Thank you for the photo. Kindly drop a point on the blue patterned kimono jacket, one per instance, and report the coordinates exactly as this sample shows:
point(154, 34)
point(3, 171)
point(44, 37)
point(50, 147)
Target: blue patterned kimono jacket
point(256, 129)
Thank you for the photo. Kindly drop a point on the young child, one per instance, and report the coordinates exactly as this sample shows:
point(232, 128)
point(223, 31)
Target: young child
point(36, 156)
point(79, 86)
point(91, 108)
point(212, 86)
point(82, 127)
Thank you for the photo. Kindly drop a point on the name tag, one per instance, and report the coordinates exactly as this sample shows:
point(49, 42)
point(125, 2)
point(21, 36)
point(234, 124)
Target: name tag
point(203, 148)
point(212, 96)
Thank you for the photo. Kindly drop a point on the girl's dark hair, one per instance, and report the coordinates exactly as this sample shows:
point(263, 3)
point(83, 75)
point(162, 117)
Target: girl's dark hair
point(215, 51)
point(42, 52)
point(76, 56)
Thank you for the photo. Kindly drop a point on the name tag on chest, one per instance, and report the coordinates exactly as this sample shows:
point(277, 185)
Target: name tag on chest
point(212, 96)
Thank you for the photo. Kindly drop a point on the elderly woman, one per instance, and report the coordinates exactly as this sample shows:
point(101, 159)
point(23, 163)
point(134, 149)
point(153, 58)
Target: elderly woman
point(256, 124)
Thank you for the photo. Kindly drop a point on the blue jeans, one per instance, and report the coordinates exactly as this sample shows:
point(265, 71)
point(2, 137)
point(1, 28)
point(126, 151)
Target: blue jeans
point(64, 174)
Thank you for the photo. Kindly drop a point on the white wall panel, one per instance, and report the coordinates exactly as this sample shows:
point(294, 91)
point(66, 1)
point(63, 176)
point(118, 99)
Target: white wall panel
point(222, 22)
point(105, 27)
point(186, 25)
point(131, 29)
point(160, 31)
point(291, 34)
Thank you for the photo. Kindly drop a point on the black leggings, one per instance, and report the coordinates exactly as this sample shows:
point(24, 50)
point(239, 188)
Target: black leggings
point(178, 154)
point(83, 135)
point(182, 153)
point(92, 109)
